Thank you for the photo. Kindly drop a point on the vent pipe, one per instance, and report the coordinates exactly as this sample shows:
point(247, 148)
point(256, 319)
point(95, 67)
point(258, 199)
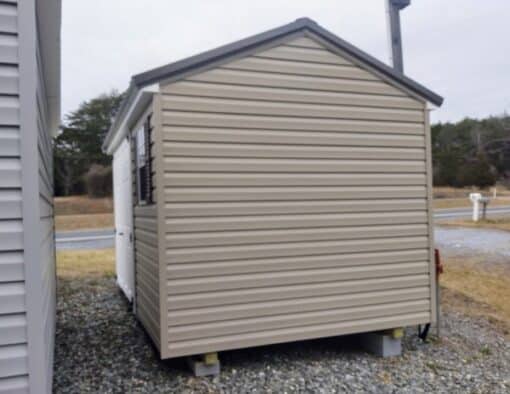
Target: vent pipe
point(393, 8)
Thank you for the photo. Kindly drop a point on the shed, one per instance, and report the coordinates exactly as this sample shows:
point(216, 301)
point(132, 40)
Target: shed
point(29, 117)
point(272, 190)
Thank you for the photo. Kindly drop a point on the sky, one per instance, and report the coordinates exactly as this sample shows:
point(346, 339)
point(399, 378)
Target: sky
point(458, 48)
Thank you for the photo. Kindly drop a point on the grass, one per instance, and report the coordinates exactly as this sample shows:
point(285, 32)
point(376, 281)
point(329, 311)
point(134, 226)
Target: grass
point(82, 222)
point(467, 280)
point(82, 212)
point(454, 192)
point(80, 264)
point(466, 203)
point(497, 224)
point(82, 205)
point(450, 197)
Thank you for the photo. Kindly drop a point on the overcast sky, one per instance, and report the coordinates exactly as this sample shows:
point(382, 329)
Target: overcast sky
point(458, 48)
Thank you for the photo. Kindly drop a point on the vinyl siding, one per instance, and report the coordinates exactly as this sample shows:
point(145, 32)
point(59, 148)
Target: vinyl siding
point(46, 230)
point(295, 202)
point(146, 253)
point(15, 356)
point(13, 321)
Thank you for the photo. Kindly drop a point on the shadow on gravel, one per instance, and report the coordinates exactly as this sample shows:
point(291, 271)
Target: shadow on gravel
point(101, 348)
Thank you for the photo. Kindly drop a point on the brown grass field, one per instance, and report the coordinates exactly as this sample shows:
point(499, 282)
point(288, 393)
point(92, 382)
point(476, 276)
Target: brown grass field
point(75, 264)
point(81, 205)
point(453, 192)
point(81, 222)
point(82, 212)
point(496, 224)
point(489, 287)
point(450, 197)
point(443, 203)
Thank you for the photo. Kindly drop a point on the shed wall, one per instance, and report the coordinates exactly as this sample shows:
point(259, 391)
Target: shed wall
point(146, 250)
point(46, 230)
point(27, 252)
point(295, 202)
point(13, 320)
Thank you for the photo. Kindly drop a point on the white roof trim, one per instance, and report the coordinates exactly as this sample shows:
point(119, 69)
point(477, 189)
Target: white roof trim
point(431, 107)
point(49, 16)
point(139, 103)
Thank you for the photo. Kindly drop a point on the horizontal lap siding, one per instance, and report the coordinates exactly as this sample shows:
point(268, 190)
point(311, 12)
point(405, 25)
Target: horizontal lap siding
point(13, 323)
point(147, 281)
point(46, 229)
point(146, 260)
point(295, 187)
point(147, 271)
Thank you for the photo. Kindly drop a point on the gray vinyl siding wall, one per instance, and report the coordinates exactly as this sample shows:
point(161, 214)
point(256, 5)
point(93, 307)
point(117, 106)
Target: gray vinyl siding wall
point(13, 319)
point(27, 255)
point(296, 202)
point(46, 229)
point(146, 250)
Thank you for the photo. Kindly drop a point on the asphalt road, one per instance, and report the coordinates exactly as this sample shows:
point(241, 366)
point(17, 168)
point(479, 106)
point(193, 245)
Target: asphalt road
point(88, 239)
point(101, 239)
point(459, 213)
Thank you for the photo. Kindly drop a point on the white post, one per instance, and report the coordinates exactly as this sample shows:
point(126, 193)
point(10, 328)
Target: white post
point(475, 199)
point(494, 192)
point(476, 211)
point(484, 210)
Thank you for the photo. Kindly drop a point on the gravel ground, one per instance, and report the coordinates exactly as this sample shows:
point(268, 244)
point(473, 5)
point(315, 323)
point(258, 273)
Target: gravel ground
point(101, 348)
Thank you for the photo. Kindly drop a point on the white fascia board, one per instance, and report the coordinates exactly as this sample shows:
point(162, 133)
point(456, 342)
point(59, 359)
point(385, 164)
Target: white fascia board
point(49, 14)
point(431, 107)
point(139, 103)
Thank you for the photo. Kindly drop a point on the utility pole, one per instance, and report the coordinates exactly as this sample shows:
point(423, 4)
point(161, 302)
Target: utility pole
point(393, 8)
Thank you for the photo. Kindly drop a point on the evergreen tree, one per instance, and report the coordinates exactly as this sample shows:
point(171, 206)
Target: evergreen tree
point(78, 146)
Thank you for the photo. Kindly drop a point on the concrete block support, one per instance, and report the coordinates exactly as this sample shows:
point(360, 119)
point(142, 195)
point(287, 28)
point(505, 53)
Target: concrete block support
point(382, 344)
point(206, 365)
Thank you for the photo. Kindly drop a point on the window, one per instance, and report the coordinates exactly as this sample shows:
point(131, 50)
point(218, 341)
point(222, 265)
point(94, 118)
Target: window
point(143, 163)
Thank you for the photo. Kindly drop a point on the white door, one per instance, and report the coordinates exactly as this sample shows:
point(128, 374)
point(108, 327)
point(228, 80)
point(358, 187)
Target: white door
point(123, 208)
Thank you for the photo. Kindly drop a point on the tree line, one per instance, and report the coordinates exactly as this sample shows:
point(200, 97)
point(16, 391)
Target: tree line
point(80, 166)
point(471, 152)
point(467, 153)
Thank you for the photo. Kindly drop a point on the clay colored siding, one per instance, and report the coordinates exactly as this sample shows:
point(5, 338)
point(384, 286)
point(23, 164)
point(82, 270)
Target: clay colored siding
point(146, 253)
point(296, 202)
point(147, 271)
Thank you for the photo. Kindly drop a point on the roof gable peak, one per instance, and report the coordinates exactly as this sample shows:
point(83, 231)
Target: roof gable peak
point(301, 25)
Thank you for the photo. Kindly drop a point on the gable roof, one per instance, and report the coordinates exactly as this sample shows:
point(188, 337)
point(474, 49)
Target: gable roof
point(174, 70)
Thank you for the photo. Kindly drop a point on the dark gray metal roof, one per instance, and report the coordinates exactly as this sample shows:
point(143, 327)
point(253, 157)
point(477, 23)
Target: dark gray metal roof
point(173, 70)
